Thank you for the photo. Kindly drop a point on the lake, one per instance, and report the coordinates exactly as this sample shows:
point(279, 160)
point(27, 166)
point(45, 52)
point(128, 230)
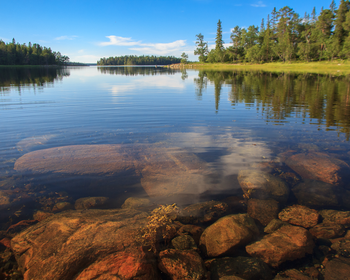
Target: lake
point(173, 136)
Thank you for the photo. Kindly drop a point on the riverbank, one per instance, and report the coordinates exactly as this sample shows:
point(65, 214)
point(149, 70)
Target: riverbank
point(338, 68)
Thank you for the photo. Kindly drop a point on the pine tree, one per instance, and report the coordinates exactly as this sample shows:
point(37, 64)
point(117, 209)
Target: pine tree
point(219, 43)
point(202, 48)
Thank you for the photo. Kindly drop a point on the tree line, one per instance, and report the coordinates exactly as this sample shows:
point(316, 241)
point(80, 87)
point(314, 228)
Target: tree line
point(139, 60)
point(20, 54)
point(285, 37)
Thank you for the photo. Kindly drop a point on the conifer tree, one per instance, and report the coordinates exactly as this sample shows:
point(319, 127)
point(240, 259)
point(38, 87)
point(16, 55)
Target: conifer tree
point(202, 48)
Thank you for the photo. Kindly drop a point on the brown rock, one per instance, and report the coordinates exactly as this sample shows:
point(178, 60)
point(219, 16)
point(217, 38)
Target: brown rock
point(136, 202)
point(337, 269)
point(6, 242)
point(299, 215)
point(274, 225)
point(184, 242)
point(337, 217)
point(312, 272)
point(194, 231)
point(90, 202)
point(227, 234)
point(4, 199)
point(327, 230)
point(41, 215)
point(291, 274)
point(203, 212)
point(320, 167)
point(83, 244)
point(62, 206)
point(317, 194)
point(262, 185)
point(243, 267)
point(181, 265)
point(263, 210)
point(286, 243)
point(342, 247)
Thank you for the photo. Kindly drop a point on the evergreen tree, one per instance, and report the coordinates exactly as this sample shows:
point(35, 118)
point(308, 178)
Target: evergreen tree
point(219, 43)
point(202, 48)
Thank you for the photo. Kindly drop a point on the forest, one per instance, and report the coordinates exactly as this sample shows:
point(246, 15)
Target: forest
point(139, 60)
point(285, 36)
point(20, 54)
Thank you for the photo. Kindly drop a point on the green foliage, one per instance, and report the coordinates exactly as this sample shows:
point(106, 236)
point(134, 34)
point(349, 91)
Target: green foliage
point(202, 48)
point(139, 60)
point(286, 37)
point(184, 58)
point(16, 54)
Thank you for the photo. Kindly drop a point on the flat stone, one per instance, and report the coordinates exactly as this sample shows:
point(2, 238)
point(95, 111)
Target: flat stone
point(291, 274)
point(337, 269)
point(342, 247)
point(62, 206)
point(136, 202)
point(228, 234)
point(182, 265)
point(327, 230)
point(287, 243)
point(243, 267)
point(262, 185)
point(317, 194)
point(263, 210)
point(320, 167)
point(86, 244)
point(299, 215)
point(338, 217)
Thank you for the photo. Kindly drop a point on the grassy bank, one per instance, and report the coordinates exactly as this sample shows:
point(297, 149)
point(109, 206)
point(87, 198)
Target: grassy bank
point(334, 68)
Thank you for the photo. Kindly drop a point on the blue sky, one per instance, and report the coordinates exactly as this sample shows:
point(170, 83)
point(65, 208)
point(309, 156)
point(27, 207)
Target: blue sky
point(88, 30)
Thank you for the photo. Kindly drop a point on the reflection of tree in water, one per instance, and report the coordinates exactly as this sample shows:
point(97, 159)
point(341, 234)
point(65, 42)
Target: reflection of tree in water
point(184, 74)
point(278, 96)
point(30, 76)
point(134, 71)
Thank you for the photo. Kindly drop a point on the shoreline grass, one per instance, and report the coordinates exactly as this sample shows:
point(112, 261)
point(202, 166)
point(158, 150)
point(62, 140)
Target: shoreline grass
point(337, 68)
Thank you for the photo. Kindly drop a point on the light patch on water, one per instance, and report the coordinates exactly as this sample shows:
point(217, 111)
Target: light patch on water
point(29, 143)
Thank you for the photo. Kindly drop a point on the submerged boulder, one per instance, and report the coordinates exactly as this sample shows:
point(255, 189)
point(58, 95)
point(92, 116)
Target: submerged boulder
point(299, 215)
point(164, 171)
point(262, 185)
point(320, 167)
point(228, 234)
point(85, 244)
point(287, 243)
point(263, 210)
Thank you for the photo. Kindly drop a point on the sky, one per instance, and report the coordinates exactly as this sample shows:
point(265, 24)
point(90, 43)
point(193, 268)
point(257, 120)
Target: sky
point(89, 30)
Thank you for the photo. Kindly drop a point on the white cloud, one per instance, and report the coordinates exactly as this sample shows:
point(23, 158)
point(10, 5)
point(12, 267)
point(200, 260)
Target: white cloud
point(81, 51)
point(119, 41)
point(259, 4)
point(65, 37)
point(147, 48)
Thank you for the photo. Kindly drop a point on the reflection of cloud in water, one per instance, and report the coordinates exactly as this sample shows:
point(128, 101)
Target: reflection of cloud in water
point(241, 151)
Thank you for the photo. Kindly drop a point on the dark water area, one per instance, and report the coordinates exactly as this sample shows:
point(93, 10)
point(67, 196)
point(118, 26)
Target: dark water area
point(169, 135)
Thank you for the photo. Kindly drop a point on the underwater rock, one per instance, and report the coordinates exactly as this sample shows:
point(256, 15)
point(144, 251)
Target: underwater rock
point(299, 215)
point(319, 167)
point(184, 242)
point(41, 215)
point(203, 212)
point(236, 204)
point(85, 244)
point(182, 264)
point(263, 210)
point(227, 234)
point(342, 247)
point(327, 230)
point(62, 206)
point(164, 171)
point(136, 202)
point(29, 143)
point(317, 194)
point(90, 202)
point(338, 217)
point(4, 199)
point(291, 274)
point(337, 269)
point(287, 243)
point(194, 231)
point(274, 225)
point(262, 185)
point(243, 267)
